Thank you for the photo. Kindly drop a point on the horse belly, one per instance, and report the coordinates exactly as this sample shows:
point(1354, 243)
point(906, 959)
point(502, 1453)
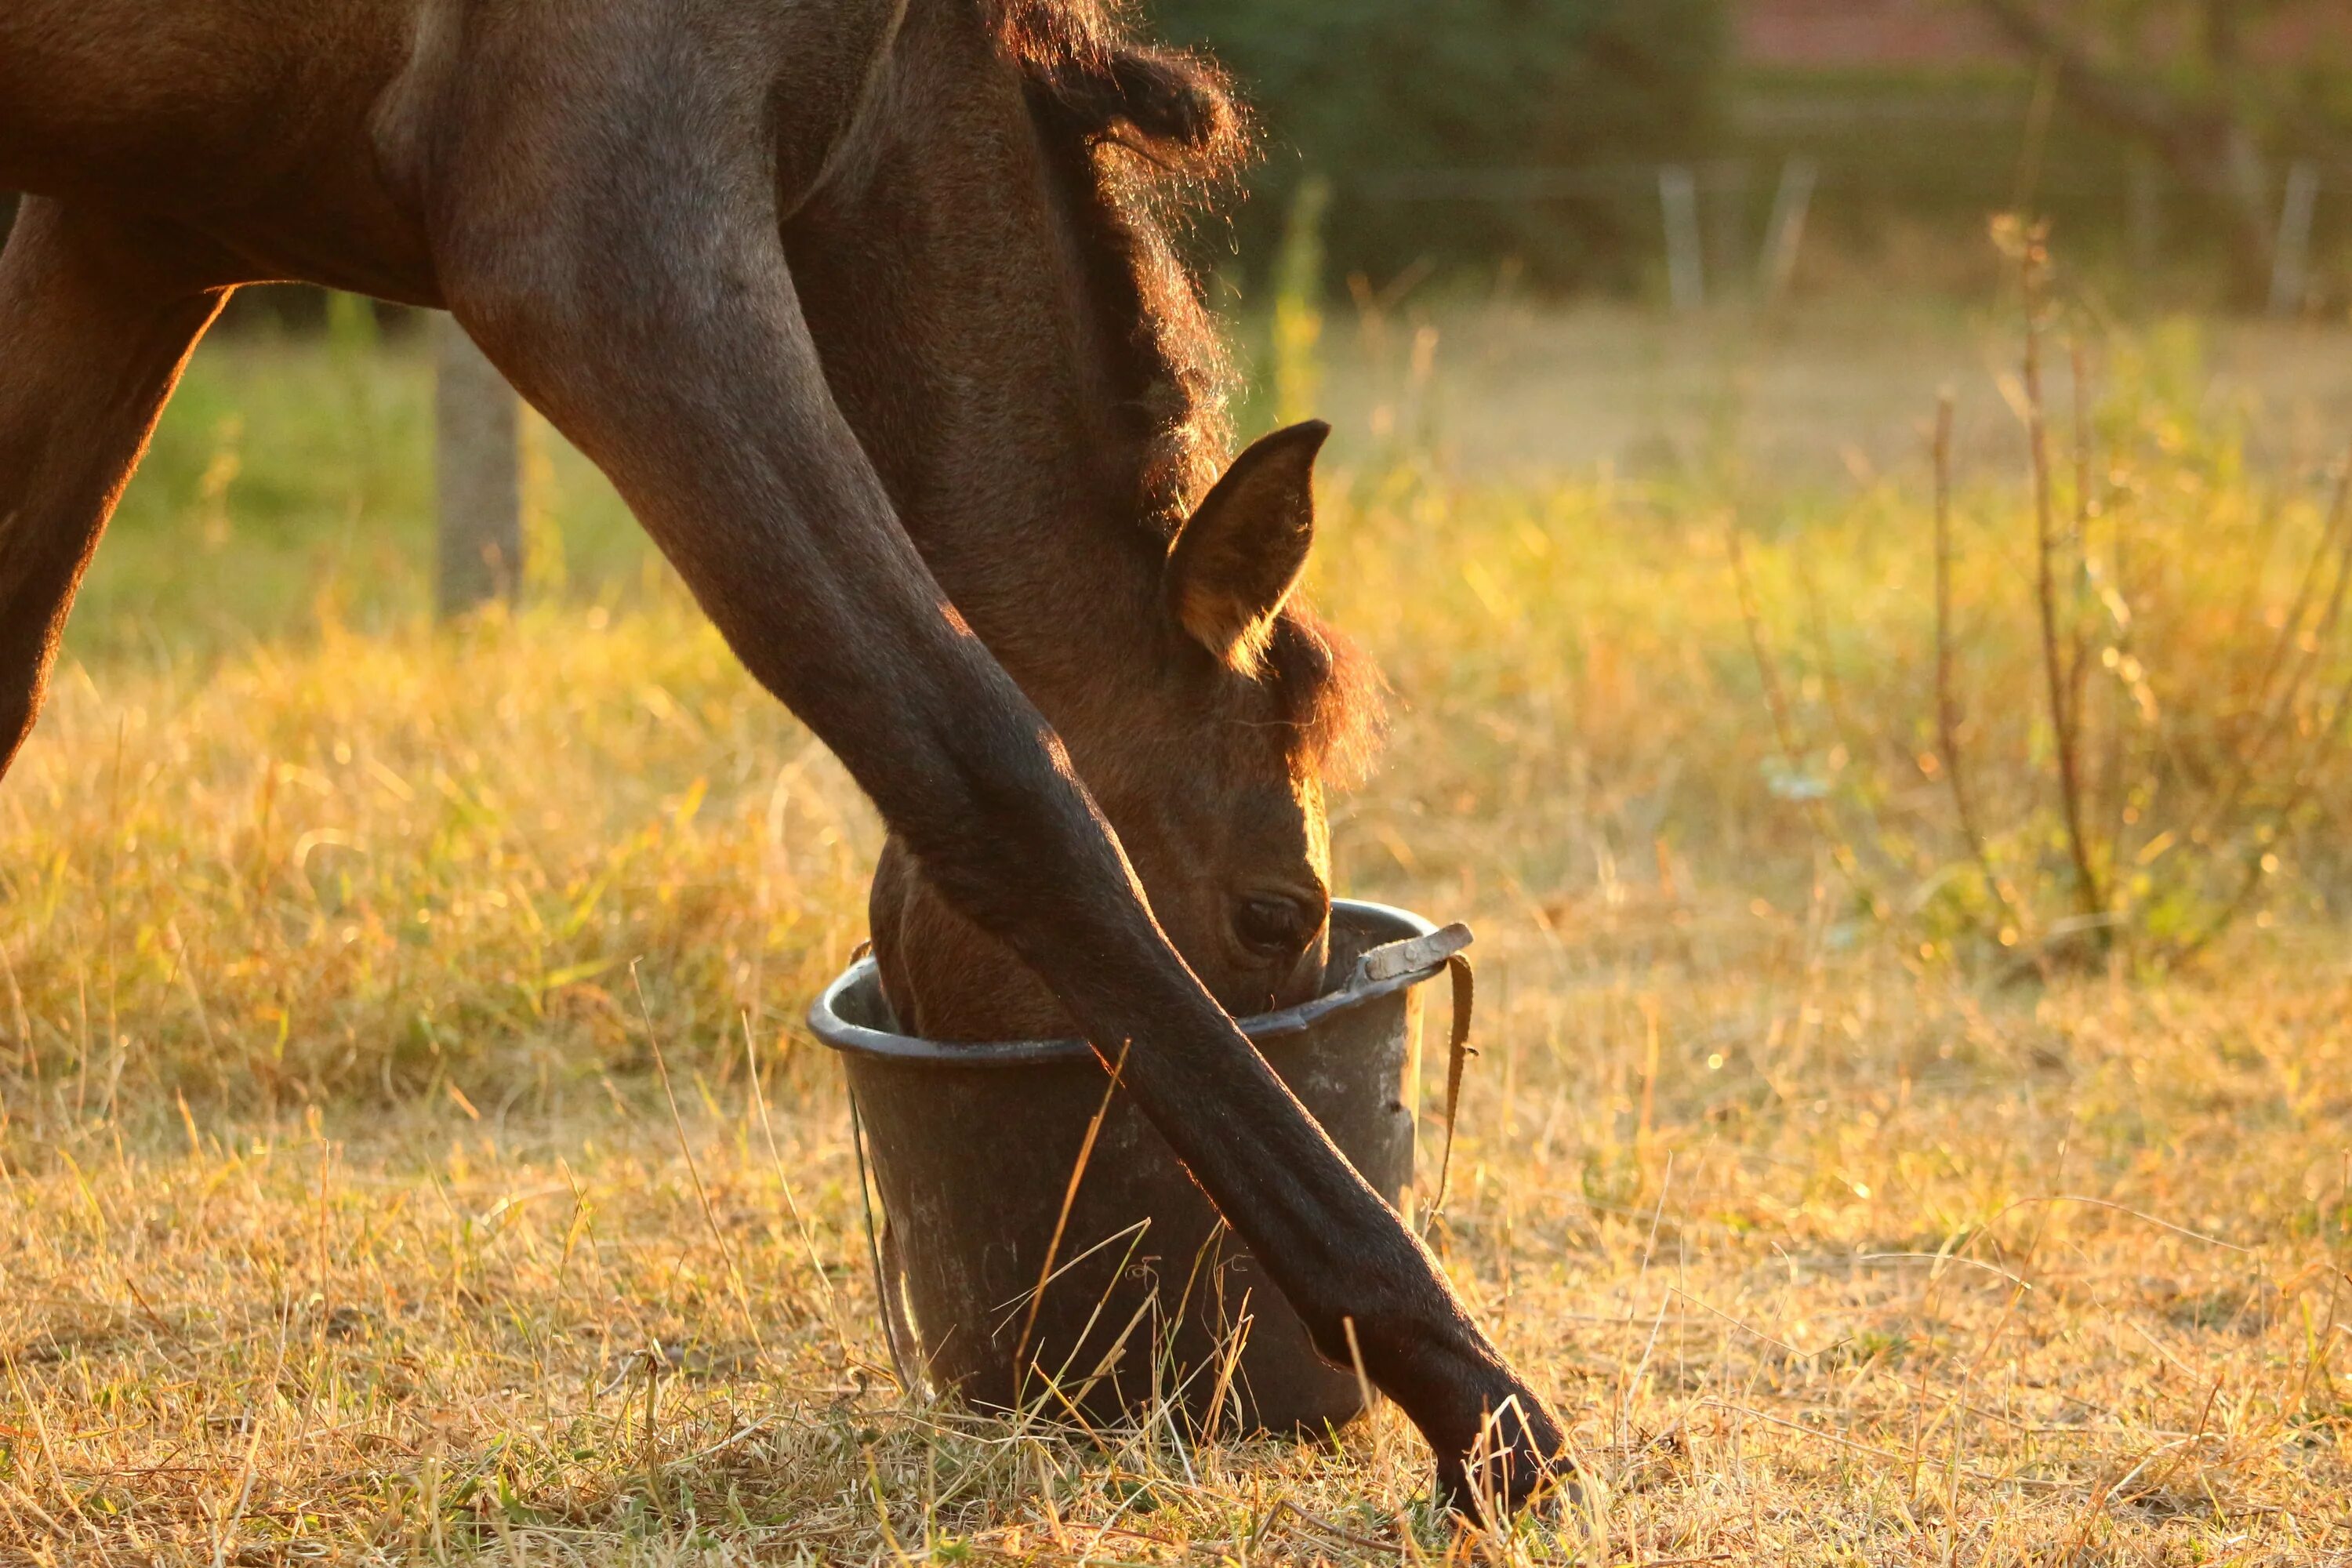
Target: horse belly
point(184, 105)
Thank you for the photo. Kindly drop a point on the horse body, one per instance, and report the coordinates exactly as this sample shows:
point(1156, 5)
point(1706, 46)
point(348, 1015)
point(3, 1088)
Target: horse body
point(249, 120)
point(842, 298)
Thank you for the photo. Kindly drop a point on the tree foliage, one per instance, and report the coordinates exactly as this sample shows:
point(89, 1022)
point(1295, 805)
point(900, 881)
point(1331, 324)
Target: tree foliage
point(1363, 92)
point(2181, 77)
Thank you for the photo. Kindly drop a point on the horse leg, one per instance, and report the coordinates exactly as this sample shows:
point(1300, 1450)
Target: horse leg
point(97, 316)
point(614, 246)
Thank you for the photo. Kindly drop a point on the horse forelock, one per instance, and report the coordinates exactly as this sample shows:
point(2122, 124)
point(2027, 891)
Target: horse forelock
point(1329, 694)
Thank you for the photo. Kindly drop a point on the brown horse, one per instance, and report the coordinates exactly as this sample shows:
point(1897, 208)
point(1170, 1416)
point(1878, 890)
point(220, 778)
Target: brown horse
point(853, 300)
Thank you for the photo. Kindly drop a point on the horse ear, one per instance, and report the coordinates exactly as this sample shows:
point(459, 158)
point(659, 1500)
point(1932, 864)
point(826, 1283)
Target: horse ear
point(1238, 558)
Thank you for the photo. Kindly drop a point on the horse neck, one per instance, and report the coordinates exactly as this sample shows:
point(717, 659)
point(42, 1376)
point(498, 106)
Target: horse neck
point(959, 307)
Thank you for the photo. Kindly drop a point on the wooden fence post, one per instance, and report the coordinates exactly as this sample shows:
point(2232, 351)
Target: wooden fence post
point(2146, 219)
point(2291, 270)
point(1784, 236)
point(477, 428)
point(1685, 250)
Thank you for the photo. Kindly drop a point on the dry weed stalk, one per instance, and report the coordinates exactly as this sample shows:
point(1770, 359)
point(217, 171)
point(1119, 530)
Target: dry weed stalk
point(2060, 649)
point(2168, 816)
point(1948, 700)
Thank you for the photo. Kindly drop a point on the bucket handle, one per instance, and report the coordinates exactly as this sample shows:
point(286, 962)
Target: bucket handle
point(1395, 960)
point(1458, 1051)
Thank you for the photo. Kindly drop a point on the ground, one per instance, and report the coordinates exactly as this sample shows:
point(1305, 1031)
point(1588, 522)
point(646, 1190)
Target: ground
point(409, 1150)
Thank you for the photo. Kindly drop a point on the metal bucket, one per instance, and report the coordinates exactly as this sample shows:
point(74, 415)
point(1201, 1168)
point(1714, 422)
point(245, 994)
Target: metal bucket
point(1147, 1295)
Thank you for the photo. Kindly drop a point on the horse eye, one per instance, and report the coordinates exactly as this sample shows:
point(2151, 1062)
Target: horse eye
point(1274, 928)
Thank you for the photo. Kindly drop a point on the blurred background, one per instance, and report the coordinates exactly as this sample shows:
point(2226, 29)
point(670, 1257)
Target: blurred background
point(2196, 151)
point(1537, 237)
point(1664, 264)
point(1851, 499)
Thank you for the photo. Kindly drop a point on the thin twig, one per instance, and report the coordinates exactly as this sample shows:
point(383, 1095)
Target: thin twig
point(791, 1204)
point(16, 1005)
point(2330, 732)
point(2307, 591)
point(227, 1537)
point(1315, 1522)
point(2120, 753)
point(2279, 708)
point(710, 1215)
point(2089, 898)
point(1948, 700)
point(48, 1450)
point(2079, 565)
point(1061, 1221)
point(2141, 1214)
point(1784, 723)
point(2260, 862)
point(1875, 1452)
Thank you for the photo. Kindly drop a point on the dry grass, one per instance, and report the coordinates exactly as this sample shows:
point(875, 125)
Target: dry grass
point(340, 1218)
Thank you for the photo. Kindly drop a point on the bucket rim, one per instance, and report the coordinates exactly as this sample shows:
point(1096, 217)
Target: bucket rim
point(827, 1024)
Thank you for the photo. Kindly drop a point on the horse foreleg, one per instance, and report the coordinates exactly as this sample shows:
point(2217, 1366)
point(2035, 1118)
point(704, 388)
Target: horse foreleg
point(97, 316)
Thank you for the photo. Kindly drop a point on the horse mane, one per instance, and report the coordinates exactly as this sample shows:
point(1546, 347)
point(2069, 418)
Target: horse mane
point(1175, 109)
point(1143, 135)
point(1148, 133)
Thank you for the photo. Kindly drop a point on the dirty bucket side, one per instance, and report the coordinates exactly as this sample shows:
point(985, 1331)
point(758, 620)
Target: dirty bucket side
point(1150, 1294)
